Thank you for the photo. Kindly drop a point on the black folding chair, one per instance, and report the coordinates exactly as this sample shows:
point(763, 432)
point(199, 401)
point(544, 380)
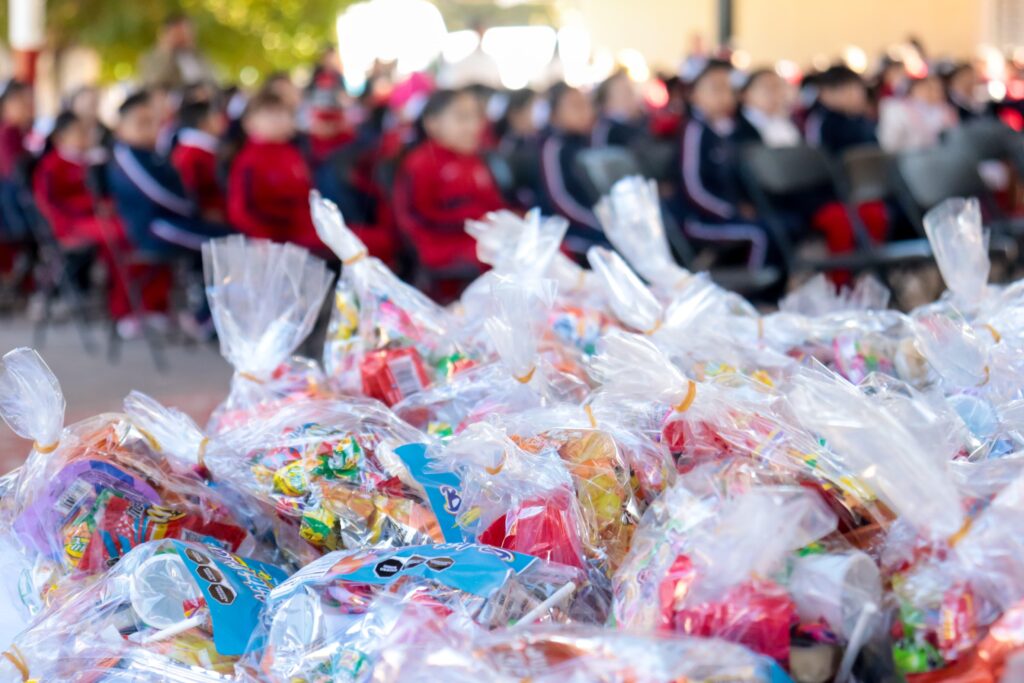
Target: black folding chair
point(772, 174)
point(603, 167)
point(502, 173)
point(984, 139)
point(59, 272)
point(738, 279)
point(655, 157)
point(868, 172)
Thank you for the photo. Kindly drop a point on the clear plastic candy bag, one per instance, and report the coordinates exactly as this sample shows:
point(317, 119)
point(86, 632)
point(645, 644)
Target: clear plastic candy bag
point(336, 618)
point(102, 487)
point(265, 299)
point(714, 567)
point(327, 471)
point(169, 610)
point(386, 339)
point(960, 245)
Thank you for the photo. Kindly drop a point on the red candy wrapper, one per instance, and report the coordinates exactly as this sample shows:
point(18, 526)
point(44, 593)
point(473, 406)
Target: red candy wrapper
point(393, 374)
point(544, 528)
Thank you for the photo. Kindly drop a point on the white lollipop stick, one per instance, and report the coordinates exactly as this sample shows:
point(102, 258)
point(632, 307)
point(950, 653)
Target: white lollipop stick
point(857, 638)
point(174, 629)
point(555, 598)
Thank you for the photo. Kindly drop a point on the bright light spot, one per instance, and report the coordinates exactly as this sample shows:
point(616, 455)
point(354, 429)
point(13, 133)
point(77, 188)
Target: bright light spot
point(855, 58)
point(411, 32)
point(574, 47)
point(248, 75)
point(635, 65)
point(459, 44)
point(821, 62)
point(521, 52)
point(997, 90)
point(788, 70)
point(994, 64)
point(656, 94)
point(603, 65)
point(741, 60)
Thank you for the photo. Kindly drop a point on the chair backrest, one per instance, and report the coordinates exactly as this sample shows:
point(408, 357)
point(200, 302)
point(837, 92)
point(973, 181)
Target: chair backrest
point(868, 173)
point(982, 139)
point(656, 158)
point(781, 171)
point(605, 166)
point(502, 173)
point(938, 173)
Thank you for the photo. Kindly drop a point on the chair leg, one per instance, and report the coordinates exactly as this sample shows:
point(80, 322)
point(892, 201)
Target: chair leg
point(148, 333)
point(43, 324)
point(69, 289)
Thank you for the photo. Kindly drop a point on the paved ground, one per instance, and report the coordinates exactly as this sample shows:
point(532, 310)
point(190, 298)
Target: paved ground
point(197, 378)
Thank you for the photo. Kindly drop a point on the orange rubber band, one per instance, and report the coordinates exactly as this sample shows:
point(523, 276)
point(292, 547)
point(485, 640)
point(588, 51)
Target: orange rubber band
point(39, 448)
point(525, 379)
point(354, 259)
point(691, 393)
point(15, 657)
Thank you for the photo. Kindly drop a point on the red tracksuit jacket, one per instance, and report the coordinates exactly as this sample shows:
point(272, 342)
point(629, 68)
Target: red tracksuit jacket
point(195, 159)
point(436, 191)
point(268, 194)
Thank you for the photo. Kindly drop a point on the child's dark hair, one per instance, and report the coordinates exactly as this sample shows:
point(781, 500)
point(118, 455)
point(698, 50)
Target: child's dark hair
point(518, 100)
point(838, 76)
point(262, 100)
point(64, 120)
point(713, 66)
point(754, 76)
point(604, 89)
point(436, 105)
point(556, 94)
point(192, 114)
point(13, 88)
point(142, 98)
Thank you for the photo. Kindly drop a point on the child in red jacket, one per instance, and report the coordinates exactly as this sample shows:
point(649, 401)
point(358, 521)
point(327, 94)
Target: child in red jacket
point(269, 182)
point(195, 157)
point(443, 182)
point(78, 219)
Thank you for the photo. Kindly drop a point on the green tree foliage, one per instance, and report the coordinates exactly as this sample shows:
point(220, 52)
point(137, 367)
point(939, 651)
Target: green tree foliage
point(264, 34)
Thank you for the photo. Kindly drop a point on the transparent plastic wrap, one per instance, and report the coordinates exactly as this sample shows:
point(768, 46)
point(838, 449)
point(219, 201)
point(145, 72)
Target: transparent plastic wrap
point(265, 298)
point(631, 218)
point(385, 339)
point(819, 296)
point(960, 245)
point(527, 249)
point(169, 611)
point(950, 593)
point(511, 498)
point(327, 471)
point(336, 618)
point(631, 301)
point(714, 567)
point(529, 368)
point(80, 503)
point(573, 654)
point(31, 401)
point(878, 459)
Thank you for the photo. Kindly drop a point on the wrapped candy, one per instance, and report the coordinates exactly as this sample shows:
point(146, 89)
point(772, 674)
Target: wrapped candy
point(264, 298)
point(170, 611)
point(317, 622)
point(529, 370)
point(705, 566)
point(385, 339)
point(91, 492)
point(575, 654)
point(327, 471)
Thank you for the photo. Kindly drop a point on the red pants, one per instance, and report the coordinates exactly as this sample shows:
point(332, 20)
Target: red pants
point(832, 220)
point(153, 282)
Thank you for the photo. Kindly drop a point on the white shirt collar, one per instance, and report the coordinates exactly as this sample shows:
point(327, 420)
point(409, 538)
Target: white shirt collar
point(193, 137)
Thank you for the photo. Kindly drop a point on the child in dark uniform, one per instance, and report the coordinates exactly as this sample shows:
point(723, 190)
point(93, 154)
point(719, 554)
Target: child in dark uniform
point(838, 120)
point(711, 202)
point(563, 189)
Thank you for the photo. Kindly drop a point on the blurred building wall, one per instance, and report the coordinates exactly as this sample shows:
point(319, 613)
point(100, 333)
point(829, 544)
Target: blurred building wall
point(791, 29)
point(801, 29)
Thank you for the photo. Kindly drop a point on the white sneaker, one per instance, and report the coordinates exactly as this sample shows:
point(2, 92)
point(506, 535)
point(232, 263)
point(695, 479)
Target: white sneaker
point(129, 327)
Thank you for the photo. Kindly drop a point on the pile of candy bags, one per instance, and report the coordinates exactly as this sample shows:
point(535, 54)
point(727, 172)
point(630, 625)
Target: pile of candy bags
point(621, 473)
